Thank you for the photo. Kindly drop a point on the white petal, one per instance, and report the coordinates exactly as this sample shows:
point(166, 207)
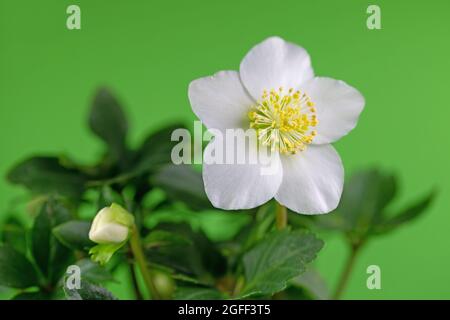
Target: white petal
point(275, 63)
point(109, 233)
point(220, 101)
point(241, 186)
point(338, 108)
point(100, 218)
point(312, 180)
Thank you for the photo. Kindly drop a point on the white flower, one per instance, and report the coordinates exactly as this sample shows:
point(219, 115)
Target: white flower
point(111, 225)
point(295, 113)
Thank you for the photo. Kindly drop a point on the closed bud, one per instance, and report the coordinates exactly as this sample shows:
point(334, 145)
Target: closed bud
point(110, 229)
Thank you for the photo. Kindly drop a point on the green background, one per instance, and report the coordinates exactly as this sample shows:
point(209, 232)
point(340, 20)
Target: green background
point(149, 51)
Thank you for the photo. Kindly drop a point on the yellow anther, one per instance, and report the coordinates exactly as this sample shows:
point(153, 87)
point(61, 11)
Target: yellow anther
point(283, 121)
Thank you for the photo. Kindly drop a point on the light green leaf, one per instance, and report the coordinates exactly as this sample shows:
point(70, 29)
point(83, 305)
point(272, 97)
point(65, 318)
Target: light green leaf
point(15, 269)
point(74, 234)
point(277, 259)
point(102, 253)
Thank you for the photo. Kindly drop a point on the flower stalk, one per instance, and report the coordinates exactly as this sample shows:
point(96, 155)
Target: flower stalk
point(345, 276)
point(138, 253)
point(281, 216)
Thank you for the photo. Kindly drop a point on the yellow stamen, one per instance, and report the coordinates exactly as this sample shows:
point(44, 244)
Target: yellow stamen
point(284, 121)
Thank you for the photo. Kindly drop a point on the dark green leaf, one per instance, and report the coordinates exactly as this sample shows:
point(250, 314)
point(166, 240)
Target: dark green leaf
point(313, 284)
point(13, 233)
point(35, 295)
point(410, 213)
point(365, 197)
point(46, 175)
point(159, 238)
point(74, 234)
point(15, 269)
point(293, 293)
point(93, 272)
point(198, 293)
point(363, 210)
point(108, 196)
point(277, 259)
point(200, 258)
point(51, 256)
point(183, 183)
point(156, 149)
point(108, 121)
point(262, 224)
point(88, 291)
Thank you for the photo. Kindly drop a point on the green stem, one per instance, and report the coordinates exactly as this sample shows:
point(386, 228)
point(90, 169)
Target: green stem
point(239, 284)
point(134, 281)
point(281, 216)
point(139, 257)
point(345, 276)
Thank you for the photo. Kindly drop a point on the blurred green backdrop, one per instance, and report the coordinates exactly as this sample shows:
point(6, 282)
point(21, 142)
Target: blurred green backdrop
point(149, 51)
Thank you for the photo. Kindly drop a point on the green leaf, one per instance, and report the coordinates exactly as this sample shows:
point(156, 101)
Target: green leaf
point(183, 183)
point(34, 295)
point(93, 272)
point(102, 253)
point(277, 259)
point(88, 291)
point(74, 234)
point(50, 255)
point(365, 197)
point(198, 293)
point(364, 207)
point(108, 121)
point(107, 196)
point(409, 214)
point(313, 284)
point(13, 233)
point(46, 175)
point(15, 269)
point(200, 258)
point(159, 238)
point(263, 222)
point(156, 149)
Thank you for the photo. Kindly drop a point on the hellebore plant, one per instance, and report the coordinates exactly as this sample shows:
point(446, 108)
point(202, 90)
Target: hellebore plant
point(295, 114)
point(135, 210)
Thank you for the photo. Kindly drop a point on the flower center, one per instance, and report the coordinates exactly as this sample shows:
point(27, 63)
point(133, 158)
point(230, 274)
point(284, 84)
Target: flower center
point(284, 121)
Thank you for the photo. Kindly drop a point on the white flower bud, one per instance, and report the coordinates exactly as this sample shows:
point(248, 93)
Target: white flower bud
point(111, 225)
